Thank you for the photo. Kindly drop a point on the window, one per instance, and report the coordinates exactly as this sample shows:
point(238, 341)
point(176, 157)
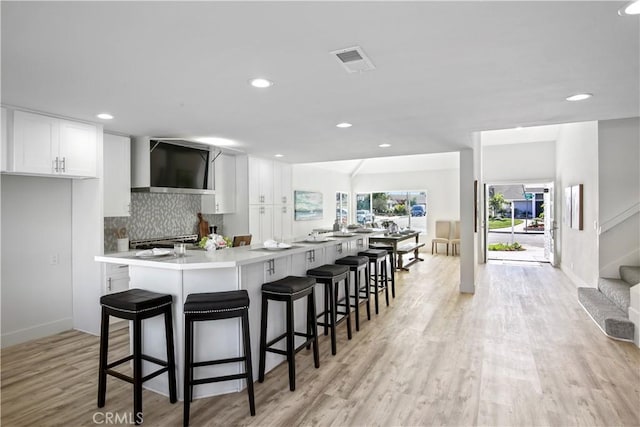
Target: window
point(408, 209)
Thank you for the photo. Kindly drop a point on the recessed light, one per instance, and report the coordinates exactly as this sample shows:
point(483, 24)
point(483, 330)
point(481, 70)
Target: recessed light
point(220, 142)
point(278, 155)
point(344, 125)
point(260, 83)
point(104, 116)
point(631, 8)
point(384, 145)
point(579, 97)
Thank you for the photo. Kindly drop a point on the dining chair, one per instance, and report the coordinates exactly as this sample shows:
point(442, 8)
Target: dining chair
point(455, 241)
point(241, 240)
point(443, 229)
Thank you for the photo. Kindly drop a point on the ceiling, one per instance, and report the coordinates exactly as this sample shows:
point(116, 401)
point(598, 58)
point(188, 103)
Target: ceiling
point(443, 70)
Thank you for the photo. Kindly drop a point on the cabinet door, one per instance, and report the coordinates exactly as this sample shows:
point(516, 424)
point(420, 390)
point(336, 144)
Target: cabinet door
point(3, 135)
point(225, 184)
point(261, 223)
point(117, 175)
point(35, 143)
point(78, 149)
point(282, 192)
point(283, 222)
point(260, 181)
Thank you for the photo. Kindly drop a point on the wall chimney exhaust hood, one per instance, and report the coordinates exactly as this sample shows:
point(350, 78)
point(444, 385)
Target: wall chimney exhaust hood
point(165, 165)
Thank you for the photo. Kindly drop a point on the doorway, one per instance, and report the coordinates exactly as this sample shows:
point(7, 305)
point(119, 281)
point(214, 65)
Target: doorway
point(520, 222)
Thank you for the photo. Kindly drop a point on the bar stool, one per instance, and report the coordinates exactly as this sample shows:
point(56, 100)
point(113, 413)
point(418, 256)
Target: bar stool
point(379, 278)
point(136, 305)
point(215, 306)
point(392, 262)
point(357, 265)
point(289, 289)
point(331, 275)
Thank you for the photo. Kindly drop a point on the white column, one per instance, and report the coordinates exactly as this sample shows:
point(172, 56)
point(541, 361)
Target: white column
point(467, 234)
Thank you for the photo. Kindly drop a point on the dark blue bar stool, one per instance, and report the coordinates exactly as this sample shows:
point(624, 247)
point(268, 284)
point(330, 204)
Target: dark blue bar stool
point(331, 275)
point(215, 306)
point(288, 290)
point(136, 305)
point(358, 265)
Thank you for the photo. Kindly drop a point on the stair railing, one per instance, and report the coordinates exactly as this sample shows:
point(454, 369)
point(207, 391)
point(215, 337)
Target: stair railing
point(619, 218)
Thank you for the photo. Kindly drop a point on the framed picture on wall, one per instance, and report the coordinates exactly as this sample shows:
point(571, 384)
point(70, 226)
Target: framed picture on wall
point(576, 207)
point(307, 205)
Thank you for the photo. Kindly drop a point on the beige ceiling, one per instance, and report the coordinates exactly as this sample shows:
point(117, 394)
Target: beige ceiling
point(443, 70)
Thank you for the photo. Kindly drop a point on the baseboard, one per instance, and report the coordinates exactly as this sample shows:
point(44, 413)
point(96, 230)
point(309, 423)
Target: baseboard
point(34, 332)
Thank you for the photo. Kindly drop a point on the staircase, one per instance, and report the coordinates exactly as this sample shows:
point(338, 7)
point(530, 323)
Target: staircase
point(608, 305)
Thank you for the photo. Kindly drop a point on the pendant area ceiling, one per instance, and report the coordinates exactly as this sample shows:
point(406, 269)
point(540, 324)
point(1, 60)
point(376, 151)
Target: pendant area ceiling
point(443, 70)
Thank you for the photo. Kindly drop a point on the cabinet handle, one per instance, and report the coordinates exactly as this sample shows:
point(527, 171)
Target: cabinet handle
point(311, 255)
point(109, 284)
point(284, 209)
point(56, 165)
point(284, 199)
point(217, 207)
point(339, 248)
point(271, 267)
point(64, 164)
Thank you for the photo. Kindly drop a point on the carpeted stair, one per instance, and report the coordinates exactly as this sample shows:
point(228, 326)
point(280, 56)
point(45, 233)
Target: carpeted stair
point(608, 305)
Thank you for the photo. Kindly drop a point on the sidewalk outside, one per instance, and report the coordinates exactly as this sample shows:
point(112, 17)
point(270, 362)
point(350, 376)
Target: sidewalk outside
point(531, 241)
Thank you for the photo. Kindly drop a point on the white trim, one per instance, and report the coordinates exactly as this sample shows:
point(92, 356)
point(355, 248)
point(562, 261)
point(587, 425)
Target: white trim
point(37, 331)
point(619, 218)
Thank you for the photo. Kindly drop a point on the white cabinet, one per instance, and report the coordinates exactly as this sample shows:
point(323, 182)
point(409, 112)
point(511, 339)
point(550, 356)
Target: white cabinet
point(116, 278)
point(260, 181)
point(282, 191)
point(283, 222)
point(261, 223)
point(44, 145)
point(117, 175)
point(4, 134)
point(223, 181)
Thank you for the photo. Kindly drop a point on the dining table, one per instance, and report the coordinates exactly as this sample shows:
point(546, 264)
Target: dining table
point(394, 240)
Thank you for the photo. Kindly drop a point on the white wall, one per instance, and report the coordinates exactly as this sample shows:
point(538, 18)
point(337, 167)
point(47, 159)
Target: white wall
point(520, 162)
point(619, 189)
point(310, 178)
point(442, 187)
point(36, 225)
point(577, 163)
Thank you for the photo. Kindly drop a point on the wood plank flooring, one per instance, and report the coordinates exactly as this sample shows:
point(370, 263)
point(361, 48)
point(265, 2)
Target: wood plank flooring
point(520, 352)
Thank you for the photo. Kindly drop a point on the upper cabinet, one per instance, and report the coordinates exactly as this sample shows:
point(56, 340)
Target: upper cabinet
point(117, 175)
point(260, 181)
point(44, 145)
point(4, 134)
point(282, 192)
point(223, 181)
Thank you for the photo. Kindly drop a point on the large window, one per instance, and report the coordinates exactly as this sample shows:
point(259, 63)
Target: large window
point(408, 209)
point(342, 207)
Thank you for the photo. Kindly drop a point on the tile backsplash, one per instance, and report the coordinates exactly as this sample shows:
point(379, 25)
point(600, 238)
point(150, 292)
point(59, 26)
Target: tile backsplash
point(158, 215)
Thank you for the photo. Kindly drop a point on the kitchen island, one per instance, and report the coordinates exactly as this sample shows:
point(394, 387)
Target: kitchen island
point(227, 269)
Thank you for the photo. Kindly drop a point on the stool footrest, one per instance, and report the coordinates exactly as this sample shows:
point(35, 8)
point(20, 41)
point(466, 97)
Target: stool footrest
point(119, 362)
point(219, 379)
point(276, 339)
point(218, 362)
point(155, 374)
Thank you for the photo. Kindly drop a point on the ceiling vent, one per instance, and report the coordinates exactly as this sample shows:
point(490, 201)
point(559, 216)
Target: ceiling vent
point(353, 59)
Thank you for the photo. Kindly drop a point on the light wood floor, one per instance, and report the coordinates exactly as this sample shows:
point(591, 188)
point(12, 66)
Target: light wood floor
point(520, 352)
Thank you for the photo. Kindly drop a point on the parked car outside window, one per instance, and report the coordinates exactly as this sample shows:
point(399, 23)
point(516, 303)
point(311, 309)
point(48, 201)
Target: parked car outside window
point(364, 216)
point(417, 210)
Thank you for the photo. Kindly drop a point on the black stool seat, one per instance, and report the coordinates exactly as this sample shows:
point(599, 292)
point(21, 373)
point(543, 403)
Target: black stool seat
point(213, 302)
point(135, 300)
point(288, 290)
point(358, 264)
point(352, 260)
point(373, 253)
point(215, 306)
point(328, 270)
point(290, 285)
point(136, 305)
point(331, 275)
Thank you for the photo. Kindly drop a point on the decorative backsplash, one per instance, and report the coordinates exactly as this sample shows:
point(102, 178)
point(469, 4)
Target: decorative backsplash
point(158, 215)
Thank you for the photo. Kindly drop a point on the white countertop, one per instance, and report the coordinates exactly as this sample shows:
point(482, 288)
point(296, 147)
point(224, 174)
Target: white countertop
point(222, 258)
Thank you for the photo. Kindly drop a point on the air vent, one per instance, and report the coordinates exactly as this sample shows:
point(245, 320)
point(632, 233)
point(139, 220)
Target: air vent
point(353, 59)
